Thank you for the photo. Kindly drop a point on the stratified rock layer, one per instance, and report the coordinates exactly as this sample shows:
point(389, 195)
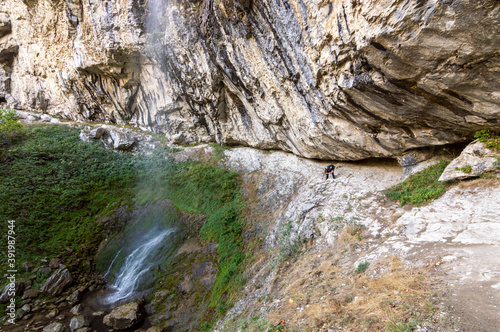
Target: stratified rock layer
point(57, 282)
point(333, 80)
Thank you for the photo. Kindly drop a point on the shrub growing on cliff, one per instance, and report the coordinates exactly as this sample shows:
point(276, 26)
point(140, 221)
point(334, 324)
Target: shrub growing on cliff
point(420, 187)
point(10, 129)
point(8, 120)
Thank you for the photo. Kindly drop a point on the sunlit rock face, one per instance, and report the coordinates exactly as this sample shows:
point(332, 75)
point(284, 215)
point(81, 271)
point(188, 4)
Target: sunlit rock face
point(323, 79)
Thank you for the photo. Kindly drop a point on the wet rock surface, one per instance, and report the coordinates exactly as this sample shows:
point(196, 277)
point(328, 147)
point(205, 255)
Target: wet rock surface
point(79, 322)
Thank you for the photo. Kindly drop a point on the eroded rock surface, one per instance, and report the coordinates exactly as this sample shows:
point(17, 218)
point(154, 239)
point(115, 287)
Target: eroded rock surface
point(343, 80)
point(475, 160)
point(57, 282)
point(11, 290)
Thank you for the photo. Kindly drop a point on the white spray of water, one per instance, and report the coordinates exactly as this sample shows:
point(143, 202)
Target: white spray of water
point(135, 266)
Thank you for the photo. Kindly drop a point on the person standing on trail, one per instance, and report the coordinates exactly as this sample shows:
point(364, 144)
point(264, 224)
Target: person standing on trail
point(329, 170)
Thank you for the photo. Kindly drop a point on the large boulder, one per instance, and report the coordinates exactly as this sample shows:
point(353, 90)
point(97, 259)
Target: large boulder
point(125, 316)
point(57, 282)
point(121, 141)
point(79, 322)
point(474, 160)
point(97, 133)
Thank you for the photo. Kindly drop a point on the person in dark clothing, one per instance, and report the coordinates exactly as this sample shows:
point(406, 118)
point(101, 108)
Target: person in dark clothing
point(329, 170)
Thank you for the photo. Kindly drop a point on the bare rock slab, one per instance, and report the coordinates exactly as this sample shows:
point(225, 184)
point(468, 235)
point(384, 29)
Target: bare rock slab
point(57, 282)
point(475, 160)
point(125, 316)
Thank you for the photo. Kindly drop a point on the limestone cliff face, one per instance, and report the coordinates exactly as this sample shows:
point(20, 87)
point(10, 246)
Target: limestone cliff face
point(323, 79)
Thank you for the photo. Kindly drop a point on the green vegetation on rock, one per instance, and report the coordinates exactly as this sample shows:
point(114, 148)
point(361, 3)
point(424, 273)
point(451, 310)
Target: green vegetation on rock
point(55, 187)
point(215, 192)
point(490, 139)
point(362, 267)
point(466, 169)
point(420, 187)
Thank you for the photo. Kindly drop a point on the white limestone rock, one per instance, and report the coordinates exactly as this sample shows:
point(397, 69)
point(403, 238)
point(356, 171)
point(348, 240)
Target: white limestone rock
point(475, 160)
point(343, 80)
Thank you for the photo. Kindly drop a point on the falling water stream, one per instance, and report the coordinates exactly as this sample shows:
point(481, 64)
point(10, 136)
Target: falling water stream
point(137, 266)
point(133, 257)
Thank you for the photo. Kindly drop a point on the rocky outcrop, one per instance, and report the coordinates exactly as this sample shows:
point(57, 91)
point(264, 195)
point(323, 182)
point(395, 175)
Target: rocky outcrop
point(344, 80)
point(120, 139)
point(57, 282)
point(475, 160)
point(458, 233)
point(124, 316)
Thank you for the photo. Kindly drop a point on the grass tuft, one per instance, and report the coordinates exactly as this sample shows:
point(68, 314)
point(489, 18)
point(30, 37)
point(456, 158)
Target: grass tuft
point(8, 120)
point(362, 267)
point(465, 169)
point(420, 187)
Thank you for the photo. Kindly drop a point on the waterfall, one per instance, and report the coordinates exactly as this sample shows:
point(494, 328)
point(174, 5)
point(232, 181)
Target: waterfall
point(138, 265)
point(112, 262)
